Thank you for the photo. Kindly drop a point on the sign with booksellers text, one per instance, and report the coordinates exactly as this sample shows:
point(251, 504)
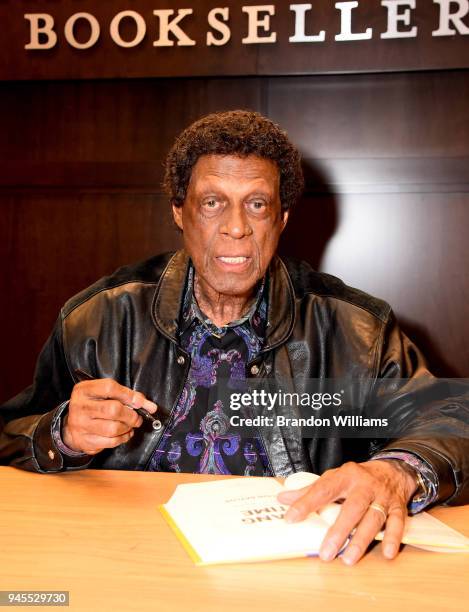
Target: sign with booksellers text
point(158, 38)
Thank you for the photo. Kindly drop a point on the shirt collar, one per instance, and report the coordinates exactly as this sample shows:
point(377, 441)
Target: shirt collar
point(256, 316)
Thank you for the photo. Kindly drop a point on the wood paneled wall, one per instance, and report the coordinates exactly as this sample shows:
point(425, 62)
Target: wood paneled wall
point(386, 207)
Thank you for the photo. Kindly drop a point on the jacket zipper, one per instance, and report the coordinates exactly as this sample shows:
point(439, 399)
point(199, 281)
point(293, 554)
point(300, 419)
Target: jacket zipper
point(261, 438)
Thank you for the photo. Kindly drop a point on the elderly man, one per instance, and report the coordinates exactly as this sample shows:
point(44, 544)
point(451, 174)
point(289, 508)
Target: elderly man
point(164, 334)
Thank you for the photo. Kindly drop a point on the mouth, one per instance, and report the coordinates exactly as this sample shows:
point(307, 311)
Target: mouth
point(239, 262)
point(233, 260)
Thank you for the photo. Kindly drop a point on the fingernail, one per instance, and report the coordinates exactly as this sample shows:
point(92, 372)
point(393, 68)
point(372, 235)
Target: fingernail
point(351, 555)
point(292, 515)
point(390, 551)
point(328, 552)
point(150, 406)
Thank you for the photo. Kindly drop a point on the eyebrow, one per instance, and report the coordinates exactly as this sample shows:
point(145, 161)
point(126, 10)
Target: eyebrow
point(250, 194)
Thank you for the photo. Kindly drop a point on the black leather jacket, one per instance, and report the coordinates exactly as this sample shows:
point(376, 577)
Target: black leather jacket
point(125, 327)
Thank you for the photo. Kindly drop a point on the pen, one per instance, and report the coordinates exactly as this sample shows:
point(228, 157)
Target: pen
point(155, 423)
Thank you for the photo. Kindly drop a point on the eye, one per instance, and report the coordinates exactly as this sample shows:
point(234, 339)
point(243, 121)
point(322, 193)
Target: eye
point(257, 206)
point(211, 204)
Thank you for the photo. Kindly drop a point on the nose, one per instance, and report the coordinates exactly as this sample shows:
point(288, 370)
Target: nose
point(235, 223)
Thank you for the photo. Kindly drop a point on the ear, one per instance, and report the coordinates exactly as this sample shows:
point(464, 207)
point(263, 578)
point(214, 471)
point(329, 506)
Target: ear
point(177, 216)
point(285, 215)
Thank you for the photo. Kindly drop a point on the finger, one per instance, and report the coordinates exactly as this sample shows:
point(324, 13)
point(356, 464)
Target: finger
point(365, 533)
point(93, 444)
point(107, 388)
point(394, 531)
point(107, 428)
point(112, 410)
point(351, 513)
point(288, 497)
point(328, 488)
point(140, 401)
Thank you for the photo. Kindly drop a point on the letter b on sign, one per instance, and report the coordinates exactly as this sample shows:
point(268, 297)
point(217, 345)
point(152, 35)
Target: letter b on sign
point(41, 24)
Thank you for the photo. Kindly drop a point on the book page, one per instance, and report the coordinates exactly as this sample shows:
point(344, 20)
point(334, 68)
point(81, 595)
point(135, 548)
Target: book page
point(240, 519)
point(426, 532)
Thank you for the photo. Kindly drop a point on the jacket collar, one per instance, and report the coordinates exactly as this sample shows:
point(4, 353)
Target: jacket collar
point(169, 294)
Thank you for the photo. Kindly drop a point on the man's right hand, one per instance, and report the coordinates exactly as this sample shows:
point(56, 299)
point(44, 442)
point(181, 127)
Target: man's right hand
point(101, 415)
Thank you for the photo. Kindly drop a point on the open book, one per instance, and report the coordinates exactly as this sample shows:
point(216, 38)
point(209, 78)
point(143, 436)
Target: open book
point(239, 519)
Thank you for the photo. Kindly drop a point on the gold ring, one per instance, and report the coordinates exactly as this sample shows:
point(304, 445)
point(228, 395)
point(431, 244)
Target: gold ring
point(379, 508)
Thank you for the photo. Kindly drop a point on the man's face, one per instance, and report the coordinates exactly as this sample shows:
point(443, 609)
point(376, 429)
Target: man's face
point(231, 220)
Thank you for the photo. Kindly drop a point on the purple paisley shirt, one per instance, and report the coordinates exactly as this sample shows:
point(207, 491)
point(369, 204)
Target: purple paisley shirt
point(198, 438)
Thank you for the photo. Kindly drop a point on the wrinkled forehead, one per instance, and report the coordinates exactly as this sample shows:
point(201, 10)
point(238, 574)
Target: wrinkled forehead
point(219, 169)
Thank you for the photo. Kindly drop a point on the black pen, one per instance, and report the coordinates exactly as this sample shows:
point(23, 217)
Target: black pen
point(155, 423)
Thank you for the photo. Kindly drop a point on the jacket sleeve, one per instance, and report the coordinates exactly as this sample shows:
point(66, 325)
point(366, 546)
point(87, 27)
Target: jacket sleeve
point(433, 414)
point(26, 421)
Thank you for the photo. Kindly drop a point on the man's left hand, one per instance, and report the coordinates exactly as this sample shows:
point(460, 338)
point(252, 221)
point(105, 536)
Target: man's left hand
point(389, 484)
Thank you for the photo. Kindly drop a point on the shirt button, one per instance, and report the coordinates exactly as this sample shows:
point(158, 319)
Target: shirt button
point(181, 360)
point(255, 370)
point(51, 455)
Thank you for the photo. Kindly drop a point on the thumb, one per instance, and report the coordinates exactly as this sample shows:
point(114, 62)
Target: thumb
point(289, 497)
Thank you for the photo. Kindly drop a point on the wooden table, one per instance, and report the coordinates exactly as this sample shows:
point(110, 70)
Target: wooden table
point(99, 535)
